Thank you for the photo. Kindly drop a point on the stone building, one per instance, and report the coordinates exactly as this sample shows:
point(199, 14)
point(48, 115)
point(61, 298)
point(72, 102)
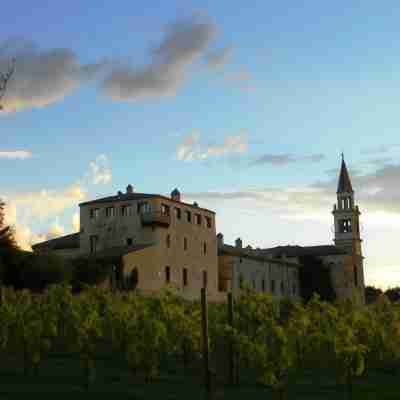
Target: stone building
point(240, 267)
point(158, 241)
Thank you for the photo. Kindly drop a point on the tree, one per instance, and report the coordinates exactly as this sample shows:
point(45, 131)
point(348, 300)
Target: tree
point(6, 233)
point(393, 294)
point(4, 79)
point(371, 294)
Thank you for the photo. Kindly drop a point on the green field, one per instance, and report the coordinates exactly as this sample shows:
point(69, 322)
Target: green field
point(62, 373)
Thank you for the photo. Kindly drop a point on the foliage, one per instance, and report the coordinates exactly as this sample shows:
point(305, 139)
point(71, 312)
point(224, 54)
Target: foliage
point(37, 271)
point(372, 294)
point(315, 277)
point(89, 271)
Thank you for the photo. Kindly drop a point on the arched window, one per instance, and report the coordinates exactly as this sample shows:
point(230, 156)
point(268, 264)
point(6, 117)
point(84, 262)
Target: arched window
point(167, 274)
point(168, 241)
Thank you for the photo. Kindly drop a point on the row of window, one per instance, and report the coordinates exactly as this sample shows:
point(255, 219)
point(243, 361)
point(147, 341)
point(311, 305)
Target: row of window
point(185, 244)
point(145, 207)
point(273, 287)
point(185, 276)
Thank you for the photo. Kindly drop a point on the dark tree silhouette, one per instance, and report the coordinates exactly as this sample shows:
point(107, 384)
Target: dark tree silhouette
point(393, 294)
point(4, 80)
point(7, 240)
point(372, 294)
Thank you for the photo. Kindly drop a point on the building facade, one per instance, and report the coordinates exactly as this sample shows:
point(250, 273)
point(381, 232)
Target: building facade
point(160, 241)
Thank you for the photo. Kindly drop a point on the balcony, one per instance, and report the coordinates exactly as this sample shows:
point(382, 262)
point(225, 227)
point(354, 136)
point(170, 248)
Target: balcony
point(156, 218)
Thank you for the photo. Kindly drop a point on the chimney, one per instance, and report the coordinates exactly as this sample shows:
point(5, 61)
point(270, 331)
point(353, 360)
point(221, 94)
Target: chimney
point(119, 193)
point(220, 240)
point(195, 204)
point(176, 195)
point(238, 243)
point(129, 189)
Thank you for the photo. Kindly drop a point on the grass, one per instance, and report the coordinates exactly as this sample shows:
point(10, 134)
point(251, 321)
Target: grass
point(62, 373)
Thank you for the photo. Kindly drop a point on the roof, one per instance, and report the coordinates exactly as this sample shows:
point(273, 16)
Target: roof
point(298, 251)
point(63, 242)
point(139, 196)
point(119, 251)
point(252, 254)
point(344, 184)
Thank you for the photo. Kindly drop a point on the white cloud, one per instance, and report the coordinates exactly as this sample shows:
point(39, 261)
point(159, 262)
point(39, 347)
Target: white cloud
point(15, 154)
point(190, 148)
point(100, 171)
point(76, 222)
point(26, 210)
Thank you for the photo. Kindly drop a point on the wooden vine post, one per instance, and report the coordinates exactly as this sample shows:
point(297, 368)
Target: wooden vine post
point(231, 350)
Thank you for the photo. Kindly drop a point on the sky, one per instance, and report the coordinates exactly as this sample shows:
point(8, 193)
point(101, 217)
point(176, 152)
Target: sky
point(244, 106)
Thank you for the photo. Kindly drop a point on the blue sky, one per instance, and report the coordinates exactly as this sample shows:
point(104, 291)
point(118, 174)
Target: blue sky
point(295, 85)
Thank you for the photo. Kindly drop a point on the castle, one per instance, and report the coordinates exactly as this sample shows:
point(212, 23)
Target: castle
point(154, 241)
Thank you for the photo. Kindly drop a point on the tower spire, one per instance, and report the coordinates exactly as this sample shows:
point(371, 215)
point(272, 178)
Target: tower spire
point(344, 184)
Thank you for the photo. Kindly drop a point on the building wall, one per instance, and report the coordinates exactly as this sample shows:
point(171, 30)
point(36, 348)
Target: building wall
point(168, 250)
point(256, 273)
point(113, 231)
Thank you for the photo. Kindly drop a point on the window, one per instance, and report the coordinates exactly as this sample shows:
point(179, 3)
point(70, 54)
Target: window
point(355, 276)
point(272, 286)
point(254, 284)
point(126, 211)
point(263, 285)
point(188, 216)
point(294, 289)
point(205, 248)
point(185, 243)
point(198, 219)
point(208, 221)
point(345, 225)
point(93, 243)
point(178, 213)
point(143, 207)
point(185, 277)
point(168, 240)
point(167, 274)
point(110, 212)
point(94, 212)
point(129, 241)
point(205, 280)
point(282, 287)
point(165, 209)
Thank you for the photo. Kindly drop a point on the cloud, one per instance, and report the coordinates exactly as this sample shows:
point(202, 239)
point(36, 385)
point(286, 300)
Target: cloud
point(190, 148)
point(25, 211)
point(100, 171)
point(378, 193)
point(184, 42)
point(41, 77)
point(15, 154)
point(285, 159)
point(219, 58)
point(383, 148)
point(76, 223)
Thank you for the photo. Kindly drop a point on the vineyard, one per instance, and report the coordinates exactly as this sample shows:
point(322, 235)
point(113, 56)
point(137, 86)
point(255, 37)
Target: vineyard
point(103, 341)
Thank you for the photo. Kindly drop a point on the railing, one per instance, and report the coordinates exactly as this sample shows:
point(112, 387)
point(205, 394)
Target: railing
point(156, 218)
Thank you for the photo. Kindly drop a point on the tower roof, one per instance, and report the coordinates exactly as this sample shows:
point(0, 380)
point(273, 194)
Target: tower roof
point(344, 184)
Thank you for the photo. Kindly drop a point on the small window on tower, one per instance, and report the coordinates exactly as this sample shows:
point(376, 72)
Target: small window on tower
point(345, 225)
point(355, 276)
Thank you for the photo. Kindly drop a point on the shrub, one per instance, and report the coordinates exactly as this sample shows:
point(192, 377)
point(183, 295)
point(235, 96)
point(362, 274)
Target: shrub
point(89, 271)
point(37, 271)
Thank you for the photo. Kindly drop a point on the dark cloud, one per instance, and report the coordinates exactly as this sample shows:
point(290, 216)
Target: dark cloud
point(378, 191)
point(185, 41)
point(218, 58)
point(285, 159)
point(41, 77)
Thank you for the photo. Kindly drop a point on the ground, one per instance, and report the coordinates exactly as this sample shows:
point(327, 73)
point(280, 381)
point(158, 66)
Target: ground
point(62, 373)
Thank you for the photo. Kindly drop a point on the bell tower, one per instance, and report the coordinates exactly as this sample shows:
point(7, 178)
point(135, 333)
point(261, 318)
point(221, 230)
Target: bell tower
point(347, 226)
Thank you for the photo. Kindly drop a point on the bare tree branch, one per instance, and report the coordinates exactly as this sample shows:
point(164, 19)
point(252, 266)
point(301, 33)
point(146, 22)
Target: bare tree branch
point(4, 79)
